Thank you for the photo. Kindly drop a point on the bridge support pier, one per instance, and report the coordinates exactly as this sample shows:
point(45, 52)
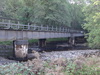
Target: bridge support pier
point(42, 42)
point(81, 39)
point(20, 48)
point(71, 41)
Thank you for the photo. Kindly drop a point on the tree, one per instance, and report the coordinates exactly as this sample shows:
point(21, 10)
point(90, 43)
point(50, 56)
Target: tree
point(20, 10)
point(47, 12)
point(77, 16)
point(57, 12)
point(92, 25)
point(2, 7)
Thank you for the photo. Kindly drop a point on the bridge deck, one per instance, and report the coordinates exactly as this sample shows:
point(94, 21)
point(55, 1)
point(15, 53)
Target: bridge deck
point(10, 30)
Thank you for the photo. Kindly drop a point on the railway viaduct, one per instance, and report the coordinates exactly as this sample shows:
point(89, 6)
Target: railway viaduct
point(11, 30)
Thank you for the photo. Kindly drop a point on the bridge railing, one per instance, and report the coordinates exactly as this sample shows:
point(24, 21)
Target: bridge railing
point(16, 25)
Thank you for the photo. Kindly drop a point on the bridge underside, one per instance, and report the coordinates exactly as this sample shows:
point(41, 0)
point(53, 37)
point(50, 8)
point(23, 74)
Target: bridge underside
point(7, 35)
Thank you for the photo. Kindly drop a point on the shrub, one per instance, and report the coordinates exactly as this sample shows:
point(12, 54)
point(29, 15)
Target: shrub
point(79, 66)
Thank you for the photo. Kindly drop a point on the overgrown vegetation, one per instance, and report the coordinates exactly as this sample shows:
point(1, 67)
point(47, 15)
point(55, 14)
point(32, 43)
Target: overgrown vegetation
point(45, 12)
point(33, 41)
point(48, 40)
point(61, 66)
point(6, 42)
point(57, 39)
point(92, 25)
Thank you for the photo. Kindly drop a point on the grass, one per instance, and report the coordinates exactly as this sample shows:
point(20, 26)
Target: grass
point(6, 42)
point(48, 40)
point(33, 41)
point(57, 39)
point(61, 66)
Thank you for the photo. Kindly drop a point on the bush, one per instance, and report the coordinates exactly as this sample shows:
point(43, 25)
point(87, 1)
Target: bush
point(61, 66)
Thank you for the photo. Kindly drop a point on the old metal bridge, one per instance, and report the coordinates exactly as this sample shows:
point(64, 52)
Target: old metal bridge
point(14, 30)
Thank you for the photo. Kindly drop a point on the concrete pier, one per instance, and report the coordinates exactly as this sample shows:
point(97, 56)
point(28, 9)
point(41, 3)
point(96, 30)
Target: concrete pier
point(20, 48)
point(42, 42)
point(71, 41)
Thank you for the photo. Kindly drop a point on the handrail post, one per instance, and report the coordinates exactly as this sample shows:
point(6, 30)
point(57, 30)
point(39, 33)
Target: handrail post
point(60, 29)
point(34, 27)
point(9, 24)
point(47, 28)
point(28, 26)
point(56, 28)
point(41, 27)
point(52, 28)
point(18, 25)
point(66, 30)
point(63, 29)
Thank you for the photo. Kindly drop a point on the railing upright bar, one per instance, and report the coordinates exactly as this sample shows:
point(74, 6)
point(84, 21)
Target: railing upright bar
point(59, 29)
point(9, 26)
point(56, 28)
point(41, 27)
point(18, 27)
point(63, 29)
point(47, 28)
point(28, 26)
point(34, 27)
point(52, 28)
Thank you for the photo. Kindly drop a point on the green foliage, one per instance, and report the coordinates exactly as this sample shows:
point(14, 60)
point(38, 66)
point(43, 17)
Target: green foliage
point(2, 7)
point(6, 42)
point(77, 16)
point(33, 40)
point(92, 25)
point(57, 39)
point(37, 11)
point(15, 69)
point(48, 40)
point(46, 12)
point(91, 66)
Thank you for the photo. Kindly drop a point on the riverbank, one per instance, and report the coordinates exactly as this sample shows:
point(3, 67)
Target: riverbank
point(81, 65)
point(45, 56)
point(68, 54)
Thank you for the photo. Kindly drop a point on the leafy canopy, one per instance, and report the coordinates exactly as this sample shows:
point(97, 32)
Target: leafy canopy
point(92, 13)
point(46, 12)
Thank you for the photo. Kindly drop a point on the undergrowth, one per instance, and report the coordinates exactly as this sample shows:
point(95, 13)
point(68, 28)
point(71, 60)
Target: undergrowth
point(33, 41)
point(48, 40)
point(6, 42)
point(61, 66)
